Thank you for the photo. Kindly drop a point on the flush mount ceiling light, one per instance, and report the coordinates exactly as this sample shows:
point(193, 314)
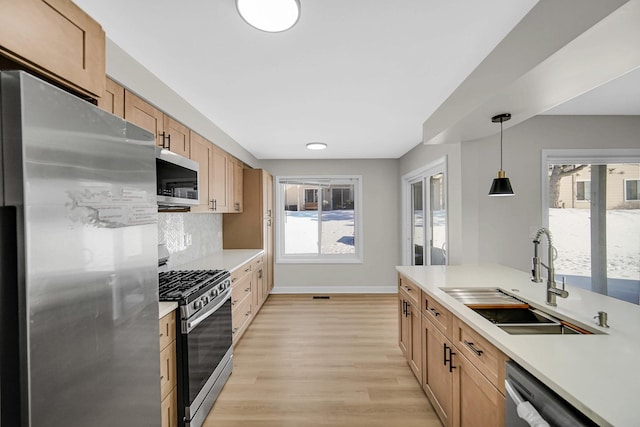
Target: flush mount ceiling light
point(501, 185)
point(272, 16)
point(316, 146)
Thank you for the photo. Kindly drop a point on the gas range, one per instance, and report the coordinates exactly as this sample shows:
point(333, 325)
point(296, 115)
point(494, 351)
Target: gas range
point(192, 289)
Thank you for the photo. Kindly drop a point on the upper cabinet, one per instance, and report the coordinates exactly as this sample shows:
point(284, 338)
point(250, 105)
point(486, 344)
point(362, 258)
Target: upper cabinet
point(56, 39)
point(236, 185)
point(170, 134)
point(145, 115)
point(113, 99)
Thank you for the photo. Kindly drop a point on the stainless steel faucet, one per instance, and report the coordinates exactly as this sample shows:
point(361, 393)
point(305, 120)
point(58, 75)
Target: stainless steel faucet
point(552, 291)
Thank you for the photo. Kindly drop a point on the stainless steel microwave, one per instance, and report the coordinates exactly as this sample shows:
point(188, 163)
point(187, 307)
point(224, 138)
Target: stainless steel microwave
point(177, 180)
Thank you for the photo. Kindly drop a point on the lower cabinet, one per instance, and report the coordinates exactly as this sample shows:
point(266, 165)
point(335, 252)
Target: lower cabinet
point(168, 378)
point(461, 373)
point(437, 380)
point(247, 295)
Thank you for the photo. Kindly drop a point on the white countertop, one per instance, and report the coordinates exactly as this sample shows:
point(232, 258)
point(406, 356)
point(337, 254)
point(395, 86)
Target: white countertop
point(227, 259)
point(598, 374)
point(166, 307)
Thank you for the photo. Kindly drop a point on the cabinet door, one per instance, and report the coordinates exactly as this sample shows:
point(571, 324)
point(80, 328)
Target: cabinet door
point(220, 183)
point(437, 378)
point(55, 38)
point(267, 203)
point(238, 178)
point(145, 115)
point(477, 403)
point(177, 136)
point(113, 99)
point(404, 325)
point(414, 357)
point(202, 152)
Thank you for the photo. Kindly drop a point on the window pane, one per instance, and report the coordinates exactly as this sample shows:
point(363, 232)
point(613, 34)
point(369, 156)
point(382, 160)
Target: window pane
point(438, 220)
point(338, 225)
point(417, 223)
point(597, 238)
point(301, 220)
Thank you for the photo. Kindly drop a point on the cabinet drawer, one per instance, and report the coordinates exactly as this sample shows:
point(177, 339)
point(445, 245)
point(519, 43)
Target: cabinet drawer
point(240, 272)
point(239, 291)
point(169, 410)
point(241, 318)
point(440, 316)
point(480, 352)
point(256, 264)
point(167, 369)
point(411, 289)
point(167, 329)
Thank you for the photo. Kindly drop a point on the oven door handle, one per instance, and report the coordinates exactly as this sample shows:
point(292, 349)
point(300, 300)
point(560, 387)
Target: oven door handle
point(191, 325)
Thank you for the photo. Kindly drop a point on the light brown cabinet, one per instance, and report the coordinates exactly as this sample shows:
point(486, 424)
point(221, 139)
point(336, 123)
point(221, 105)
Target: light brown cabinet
point(56, 39)
point(168, 378)
point(177, 137)
point(253, 228)
point(112, 99)
point(145, 115)
point(241, 300)
point(462, 373)
point(437, 379)
point(238, 177)
point(215, 177)
point(411, 332)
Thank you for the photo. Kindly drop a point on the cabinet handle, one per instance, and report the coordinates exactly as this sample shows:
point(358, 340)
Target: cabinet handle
point(260, 274)
point(434, 311)
point(215, 204)
point(234, 280)
point(248, 269)
point(450, 358)
point(164, 136)
point(211, 203)
point(161, 377)
point(247, 289)
point(237, 206)
point(234, 330)
point(169, 141)
point(472, 348)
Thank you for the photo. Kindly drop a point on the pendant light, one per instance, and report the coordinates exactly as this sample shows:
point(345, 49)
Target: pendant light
point(272, 16)
point(501, 185)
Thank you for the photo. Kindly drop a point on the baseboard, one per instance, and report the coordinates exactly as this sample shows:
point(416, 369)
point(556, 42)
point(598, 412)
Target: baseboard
point(335, 290)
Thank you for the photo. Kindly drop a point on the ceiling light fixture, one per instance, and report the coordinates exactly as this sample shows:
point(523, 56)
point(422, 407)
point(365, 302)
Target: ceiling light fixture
point(501, 185)
point(316, 146)
point(272, 16)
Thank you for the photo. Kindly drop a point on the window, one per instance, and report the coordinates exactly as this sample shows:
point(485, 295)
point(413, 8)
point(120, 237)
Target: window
point(319, 219)
point(632, 189)
point(583, 190)
point(593, 212)
point(425, 215)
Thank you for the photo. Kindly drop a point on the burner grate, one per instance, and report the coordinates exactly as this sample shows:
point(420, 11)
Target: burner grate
point(180, 284)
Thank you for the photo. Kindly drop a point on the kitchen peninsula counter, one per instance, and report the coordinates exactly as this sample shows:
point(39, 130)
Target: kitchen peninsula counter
point(598, 374)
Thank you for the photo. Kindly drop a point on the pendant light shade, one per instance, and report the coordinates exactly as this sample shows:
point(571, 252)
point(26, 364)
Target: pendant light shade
point(501, 185)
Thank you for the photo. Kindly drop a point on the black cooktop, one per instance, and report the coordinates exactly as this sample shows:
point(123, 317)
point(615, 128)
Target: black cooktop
point(180, 285)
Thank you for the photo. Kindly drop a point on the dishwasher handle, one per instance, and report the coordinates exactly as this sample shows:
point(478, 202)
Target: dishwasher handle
point(525, 409)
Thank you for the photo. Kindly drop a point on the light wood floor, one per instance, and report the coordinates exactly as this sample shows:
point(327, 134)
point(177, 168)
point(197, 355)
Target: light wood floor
point(306, 362)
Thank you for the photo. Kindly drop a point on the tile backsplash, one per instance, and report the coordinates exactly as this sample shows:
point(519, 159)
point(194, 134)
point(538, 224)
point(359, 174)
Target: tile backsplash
point(189, 236)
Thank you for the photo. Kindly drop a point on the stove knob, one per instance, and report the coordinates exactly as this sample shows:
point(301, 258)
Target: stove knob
point(197, 305)
point(213, 293)
point(206, 300)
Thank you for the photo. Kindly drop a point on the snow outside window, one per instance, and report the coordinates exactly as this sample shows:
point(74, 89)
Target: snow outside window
point(319, 219)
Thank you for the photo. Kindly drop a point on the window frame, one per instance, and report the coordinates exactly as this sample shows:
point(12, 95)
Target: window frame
point(624, 190)
point(280, 215)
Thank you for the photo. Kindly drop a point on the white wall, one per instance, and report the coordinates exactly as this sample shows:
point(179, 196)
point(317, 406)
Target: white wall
point(381, 218)
point(124, 69)
point(497, 229)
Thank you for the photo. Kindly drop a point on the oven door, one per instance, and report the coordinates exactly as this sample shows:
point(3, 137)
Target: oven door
point(204, 355)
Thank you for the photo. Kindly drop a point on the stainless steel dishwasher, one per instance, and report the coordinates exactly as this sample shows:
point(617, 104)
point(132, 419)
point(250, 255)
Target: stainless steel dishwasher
point(554, 410)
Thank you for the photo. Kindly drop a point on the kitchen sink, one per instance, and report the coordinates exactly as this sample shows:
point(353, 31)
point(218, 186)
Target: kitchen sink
point(513, 315)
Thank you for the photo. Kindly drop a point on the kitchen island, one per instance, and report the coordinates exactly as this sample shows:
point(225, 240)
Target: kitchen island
point(596, 373)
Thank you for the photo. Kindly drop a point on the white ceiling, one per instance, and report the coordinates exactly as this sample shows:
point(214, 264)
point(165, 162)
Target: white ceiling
point(359, 75)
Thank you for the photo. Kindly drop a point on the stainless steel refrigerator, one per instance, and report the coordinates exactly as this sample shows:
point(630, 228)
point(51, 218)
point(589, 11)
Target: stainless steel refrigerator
point(78, 263)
